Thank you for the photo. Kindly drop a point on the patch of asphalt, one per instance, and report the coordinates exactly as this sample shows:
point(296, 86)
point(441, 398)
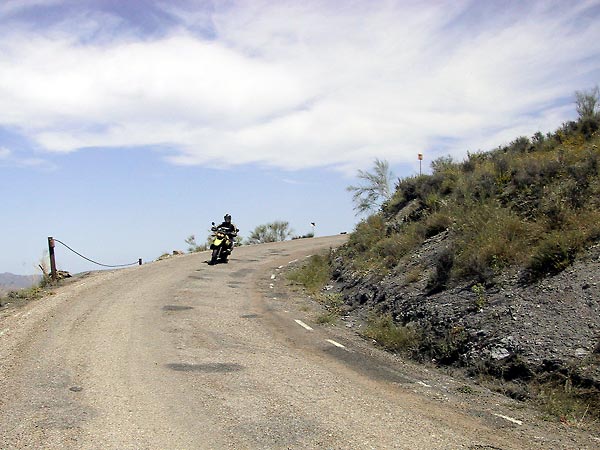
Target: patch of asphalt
point(367, 366)
point(176, 308)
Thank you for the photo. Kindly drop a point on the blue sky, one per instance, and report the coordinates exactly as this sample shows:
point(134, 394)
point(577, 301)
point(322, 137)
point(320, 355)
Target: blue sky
point(126, 126)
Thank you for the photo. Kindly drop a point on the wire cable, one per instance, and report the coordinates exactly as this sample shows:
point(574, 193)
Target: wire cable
point(92, 261)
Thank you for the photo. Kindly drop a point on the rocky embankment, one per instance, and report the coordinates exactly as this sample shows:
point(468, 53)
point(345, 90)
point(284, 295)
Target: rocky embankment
point(547, 330)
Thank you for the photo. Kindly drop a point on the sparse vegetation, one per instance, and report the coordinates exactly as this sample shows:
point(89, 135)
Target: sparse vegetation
point(332, 303)
point(443, 267)
point(532, 204)
point(313, 275)
point(163, 256)
point(414, 274)
point(327, 318)
point(480, 299)
point(305, 236)
point(35, 292)
point(466, 389)
point(32, 293)
point(28, 294)
point(565, 402)
point(469, 265)
point(193, 247)
point(271, 232)
point(447, 348)
point(395, 338)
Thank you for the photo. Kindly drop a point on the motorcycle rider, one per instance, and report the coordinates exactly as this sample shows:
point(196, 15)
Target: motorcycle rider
point(232, 230)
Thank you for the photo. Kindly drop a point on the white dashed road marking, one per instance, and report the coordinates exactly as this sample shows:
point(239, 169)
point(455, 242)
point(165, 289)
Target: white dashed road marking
point(294, 261)
point(303, 325)
point(510, 419)
point(272, 276)
point(337, 344)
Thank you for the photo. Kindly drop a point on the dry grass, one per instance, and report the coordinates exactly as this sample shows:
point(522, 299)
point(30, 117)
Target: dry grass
point(389, 335)
point(313, 275)
point(534, 204)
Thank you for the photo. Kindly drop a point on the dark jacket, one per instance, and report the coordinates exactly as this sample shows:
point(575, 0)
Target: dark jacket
point(230, 227)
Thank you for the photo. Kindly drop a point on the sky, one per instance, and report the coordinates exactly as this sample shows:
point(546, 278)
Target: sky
point(127, 126)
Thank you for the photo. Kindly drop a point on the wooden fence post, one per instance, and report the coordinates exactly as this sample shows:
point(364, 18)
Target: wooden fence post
point(52, 259)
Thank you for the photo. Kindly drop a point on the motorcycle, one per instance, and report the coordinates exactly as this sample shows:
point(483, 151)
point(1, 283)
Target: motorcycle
point(221, 245)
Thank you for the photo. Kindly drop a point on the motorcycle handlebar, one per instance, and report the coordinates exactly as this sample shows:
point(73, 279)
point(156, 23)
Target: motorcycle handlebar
point(225, 230)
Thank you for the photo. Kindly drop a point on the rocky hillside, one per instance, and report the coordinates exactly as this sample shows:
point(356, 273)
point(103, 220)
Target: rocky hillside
point(492, 264)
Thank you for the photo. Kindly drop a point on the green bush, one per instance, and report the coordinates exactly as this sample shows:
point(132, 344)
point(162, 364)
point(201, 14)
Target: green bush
point(366, 234)
point(391, 336)
point(555, 252)
point(276, 231)
point(374, 248)
point(590, 126)
point(391, 249)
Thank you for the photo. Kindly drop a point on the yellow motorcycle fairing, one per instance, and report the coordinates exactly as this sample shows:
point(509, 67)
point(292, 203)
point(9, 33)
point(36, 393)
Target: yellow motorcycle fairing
point(219, 238)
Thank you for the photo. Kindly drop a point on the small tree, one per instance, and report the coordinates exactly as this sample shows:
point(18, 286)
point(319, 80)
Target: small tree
point(270, 232)
point(193, 247)
point(586, 103)
point(377, 190)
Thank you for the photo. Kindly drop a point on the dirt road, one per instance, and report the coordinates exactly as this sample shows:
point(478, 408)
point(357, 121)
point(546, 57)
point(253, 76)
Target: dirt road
point(181, 355)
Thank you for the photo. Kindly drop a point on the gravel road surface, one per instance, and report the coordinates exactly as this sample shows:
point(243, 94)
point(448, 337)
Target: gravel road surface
point(177, 354)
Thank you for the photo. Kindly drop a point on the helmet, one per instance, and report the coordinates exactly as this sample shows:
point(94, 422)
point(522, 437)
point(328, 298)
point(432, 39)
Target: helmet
point(227, 218)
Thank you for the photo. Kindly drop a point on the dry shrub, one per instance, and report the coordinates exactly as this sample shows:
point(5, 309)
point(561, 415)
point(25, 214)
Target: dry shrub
point(564, 400)
point(313, 275)
point(414, 274)
point(443, 269)
point(392, 337)
point(366, 234)
point(490, 238)
point(436, 223)
point(556, 250)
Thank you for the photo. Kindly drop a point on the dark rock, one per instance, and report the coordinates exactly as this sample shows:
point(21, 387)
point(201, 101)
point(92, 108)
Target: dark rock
point(510, 329)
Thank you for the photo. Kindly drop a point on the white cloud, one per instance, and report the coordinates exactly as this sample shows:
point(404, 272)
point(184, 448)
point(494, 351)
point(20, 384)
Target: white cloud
point(4, 153)
point(298, 85)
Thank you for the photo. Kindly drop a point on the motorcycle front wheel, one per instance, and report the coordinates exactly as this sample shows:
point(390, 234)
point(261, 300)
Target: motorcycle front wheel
point(215, 255)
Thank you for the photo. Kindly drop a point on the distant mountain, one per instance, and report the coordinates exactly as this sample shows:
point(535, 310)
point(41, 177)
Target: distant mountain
point(11, 282)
